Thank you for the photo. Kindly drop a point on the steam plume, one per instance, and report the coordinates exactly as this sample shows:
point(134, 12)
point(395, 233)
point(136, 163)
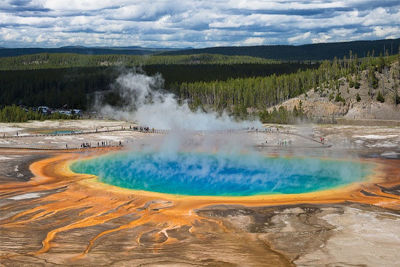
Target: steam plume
point(149, 105)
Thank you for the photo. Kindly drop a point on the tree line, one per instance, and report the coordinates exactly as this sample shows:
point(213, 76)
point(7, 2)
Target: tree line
point(242, 89)
point(258, 93)
point(15, 113)
point(75, 87)
point(50, 61)
point(322, 51)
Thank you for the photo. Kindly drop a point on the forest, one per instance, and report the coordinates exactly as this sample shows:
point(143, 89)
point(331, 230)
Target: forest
point(11, 52)
point(74, 86)
point(266, 91)
point(15, 113)
point(320, 51)
point(242, 86)
point(51, 61)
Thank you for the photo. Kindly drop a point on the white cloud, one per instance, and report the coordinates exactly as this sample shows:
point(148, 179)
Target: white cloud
point(300, 37)
point(79, 5)
point(8, 34)
point(195, 23)
point(254, 41)
point(40, 38)
point(386, 31)
point(321, 38)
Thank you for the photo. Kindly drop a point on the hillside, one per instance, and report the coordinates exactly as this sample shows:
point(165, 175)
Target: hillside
point(56, 87)
point(302, 52)
point(243, 86)
point(66, 60)
point(320, 51)
point(11, 52)
point(346, 101)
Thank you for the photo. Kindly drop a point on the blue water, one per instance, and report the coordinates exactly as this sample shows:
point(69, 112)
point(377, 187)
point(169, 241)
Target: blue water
point(64, 132)
point(203, 174)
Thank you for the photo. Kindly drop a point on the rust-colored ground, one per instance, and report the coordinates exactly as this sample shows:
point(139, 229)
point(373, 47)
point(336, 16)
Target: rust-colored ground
point(77, 220)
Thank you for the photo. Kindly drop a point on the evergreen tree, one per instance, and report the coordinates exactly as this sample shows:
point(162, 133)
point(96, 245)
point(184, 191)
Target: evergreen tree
point(396, 97)
point(380, 97)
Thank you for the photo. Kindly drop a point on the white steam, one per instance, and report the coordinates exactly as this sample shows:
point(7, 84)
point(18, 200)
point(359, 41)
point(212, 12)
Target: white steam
point(219, 160)
point(149, 105)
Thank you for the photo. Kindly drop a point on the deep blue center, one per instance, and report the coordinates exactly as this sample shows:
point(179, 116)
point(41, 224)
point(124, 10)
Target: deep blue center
point(203, 174)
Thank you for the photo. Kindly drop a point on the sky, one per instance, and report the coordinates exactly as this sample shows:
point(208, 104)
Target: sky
point(194, 23)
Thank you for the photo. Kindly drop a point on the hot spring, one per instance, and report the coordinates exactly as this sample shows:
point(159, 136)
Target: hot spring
point(203, 174)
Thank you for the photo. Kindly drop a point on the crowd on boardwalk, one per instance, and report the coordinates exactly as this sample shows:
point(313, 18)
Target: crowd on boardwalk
point(142, 129)
point(99, 144)
point(282, 137)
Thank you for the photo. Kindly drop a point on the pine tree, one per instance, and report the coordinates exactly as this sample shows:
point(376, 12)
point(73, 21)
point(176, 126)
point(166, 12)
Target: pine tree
point(396, 97)
point(380, 97)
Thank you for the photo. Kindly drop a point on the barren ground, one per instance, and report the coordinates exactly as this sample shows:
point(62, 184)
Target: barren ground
point(351, 232)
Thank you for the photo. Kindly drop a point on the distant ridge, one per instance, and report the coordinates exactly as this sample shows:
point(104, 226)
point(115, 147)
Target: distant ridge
point(278, 52)
point(319, 51)
point(10, 52)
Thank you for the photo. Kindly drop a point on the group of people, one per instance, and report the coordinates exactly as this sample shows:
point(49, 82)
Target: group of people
point(99, 144)
point(102, 143)
point(284, 142)
point(141, 129)
point(85, 145)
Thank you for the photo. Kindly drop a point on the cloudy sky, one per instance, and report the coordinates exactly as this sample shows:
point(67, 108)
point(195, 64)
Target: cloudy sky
point(193, 23)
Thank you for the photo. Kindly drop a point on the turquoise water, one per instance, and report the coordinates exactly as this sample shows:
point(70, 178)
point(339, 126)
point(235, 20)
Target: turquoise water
point(64, 132)
point(203, 174)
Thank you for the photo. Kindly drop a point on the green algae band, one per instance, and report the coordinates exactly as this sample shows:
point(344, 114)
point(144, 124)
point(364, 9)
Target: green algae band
point(200, 174)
